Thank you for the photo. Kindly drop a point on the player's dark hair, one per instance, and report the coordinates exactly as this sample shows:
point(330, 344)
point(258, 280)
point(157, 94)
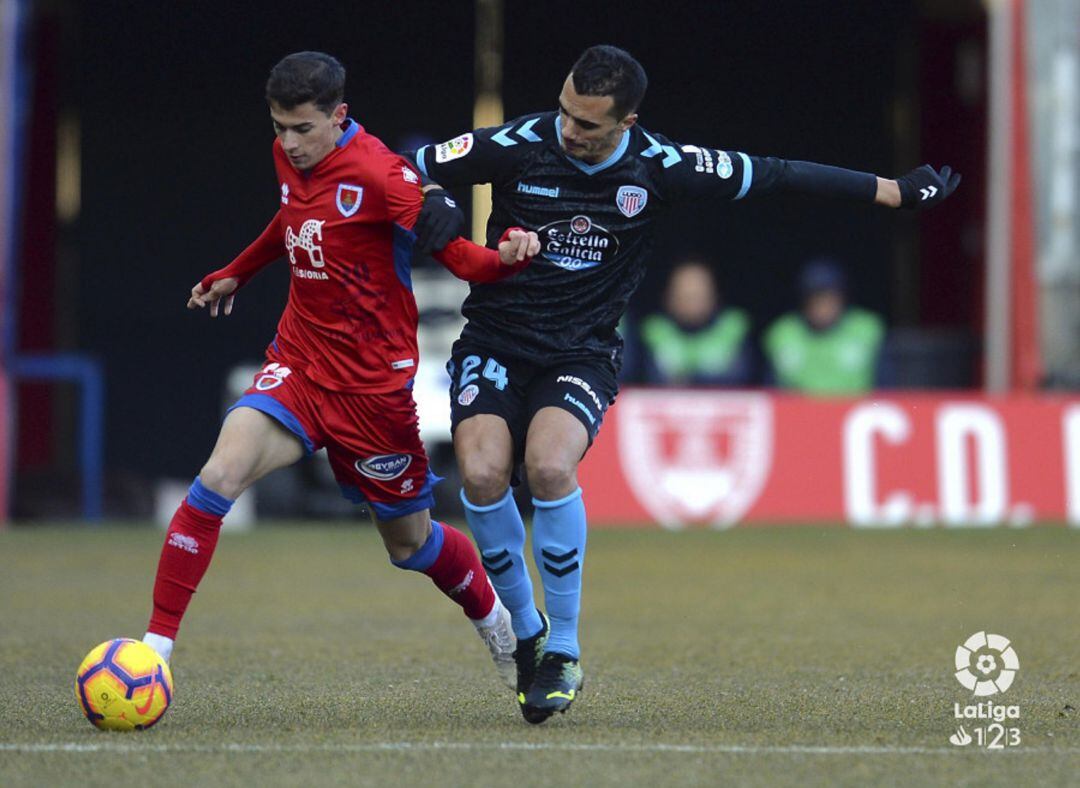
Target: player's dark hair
point(307, 76)
point(604, 70)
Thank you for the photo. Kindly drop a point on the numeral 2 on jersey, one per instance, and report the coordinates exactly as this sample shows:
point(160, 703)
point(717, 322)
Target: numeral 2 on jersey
point(493, 371)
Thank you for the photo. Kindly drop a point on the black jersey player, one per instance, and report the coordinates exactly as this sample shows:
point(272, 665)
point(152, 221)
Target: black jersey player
point(535, 368)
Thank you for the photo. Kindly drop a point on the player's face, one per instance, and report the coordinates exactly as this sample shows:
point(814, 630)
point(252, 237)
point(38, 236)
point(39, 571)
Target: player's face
point(590, 131)
point(307, 133)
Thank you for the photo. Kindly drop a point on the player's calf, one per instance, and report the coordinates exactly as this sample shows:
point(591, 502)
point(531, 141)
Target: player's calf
point(189, 545)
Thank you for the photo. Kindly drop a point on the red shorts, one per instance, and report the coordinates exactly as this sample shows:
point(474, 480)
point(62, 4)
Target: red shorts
point(372, 440)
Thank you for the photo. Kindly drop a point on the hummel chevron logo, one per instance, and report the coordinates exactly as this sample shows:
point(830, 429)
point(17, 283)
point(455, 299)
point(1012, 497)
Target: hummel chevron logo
point(524, 131)
point(559, 559)
point(928, 192)
point(495, 564)
point(671, 156)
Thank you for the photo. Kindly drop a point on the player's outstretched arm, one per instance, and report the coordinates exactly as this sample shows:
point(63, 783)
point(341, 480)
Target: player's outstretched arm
point(919, 189)
point(738, 176)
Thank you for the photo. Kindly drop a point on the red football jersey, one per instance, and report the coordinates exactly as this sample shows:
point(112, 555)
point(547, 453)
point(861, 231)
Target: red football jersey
point(346, 226)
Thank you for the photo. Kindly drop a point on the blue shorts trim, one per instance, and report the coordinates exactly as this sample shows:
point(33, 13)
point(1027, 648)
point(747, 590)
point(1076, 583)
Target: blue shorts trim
point(424, 499)
point(264, 403)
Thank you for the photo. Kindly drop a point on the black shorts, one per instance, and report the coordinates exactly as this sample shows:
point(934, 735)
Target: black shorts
point(487, 381)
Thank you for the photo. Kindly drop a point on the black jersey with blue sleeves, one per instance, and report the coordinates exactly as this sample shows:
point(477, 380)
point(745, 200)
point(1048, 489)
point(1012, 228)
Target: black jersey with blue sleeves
point(595, 223)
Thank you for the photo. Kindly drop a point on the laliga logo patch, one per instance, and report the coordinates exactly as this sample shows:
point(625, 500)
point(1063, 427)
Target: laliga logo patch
point(384, 466)
point(453, 149)
point(631, 200)
point(349, 198)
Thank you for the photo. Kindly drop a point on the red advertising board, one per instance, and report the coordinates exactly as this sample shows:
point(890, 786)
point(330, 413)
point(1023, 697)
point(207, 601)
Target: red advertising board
point(684, 458)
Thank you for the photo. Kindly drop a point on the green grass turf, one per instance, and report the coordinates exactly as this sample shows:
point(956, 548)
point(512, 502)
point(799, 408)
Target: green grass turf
point(710, 658)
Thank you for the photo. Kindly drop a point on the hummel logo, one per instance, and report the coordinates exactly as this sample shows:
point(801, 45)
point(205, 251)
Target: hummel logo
point(928, 192)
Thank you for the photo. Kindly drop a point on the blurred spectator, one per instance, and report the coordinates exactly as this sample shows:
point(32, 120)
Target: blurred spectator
point(697, 339)
point(828, 347)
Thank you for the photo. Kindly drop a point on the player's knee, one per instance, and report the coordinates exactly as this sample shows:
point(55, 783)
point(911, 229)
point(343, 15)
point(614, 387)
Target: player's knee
point(223, 478)
point(550, 479)
point(403, 538)
point(401, 548)
point(485, 482)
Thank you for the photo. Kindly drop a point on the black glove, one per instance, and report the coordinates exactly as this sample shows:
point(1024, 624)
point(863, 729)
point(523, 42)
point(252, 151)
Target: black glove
point(440, 220)
point(923, 187)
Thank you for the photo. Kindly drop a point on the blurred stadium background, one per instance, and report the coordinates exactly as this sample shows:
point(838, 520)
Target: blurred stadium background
point(134, 157)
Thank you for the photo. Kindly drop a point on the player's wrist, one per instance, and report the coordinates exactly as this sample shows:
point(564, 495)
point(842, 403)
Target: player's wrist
point(888, 193)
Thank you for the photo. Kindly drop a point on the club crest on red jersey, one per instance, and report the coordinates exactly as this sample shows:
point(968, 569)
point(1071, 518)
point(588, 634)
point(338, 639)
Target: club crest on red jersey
point(631, 200)
point(349, 198)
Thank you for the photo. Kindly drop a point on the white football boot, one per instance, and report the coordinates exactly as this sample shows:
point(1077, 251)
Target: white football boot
point(498, 635)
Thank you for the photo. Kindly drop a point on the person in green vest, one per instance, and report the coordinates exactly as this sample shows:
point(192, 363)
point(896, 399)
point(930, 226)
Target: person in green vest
point(827, 347)
point(697, 339)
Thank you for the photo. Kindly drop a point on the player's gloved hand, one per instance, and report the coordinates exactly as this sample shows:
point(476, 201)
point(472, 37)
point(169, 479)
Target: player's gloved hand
point(518, 246)
point(439, 222)
point(211, 291)
point(924, 187)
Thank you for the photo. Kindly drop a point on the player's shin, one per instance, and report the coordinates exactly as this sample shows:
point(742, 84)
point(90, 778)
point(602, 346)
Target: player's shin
point(559, 550)
point(449, 559)
point(185, 556)
point(500, 534)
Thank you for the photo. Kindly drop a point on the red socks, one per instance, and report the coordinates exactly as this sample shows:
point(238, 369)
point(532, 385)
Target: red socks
point(189, 546)
point(447, 557)
point(450, 560)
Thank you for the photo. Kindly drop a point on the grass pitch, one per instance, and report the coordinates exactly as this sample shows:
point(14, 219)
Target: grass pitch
point(753, 656)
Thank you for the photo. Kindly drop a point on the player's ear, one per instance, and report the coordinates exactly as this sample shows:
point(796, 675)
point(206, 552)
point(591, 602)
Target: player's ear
point(339, 114)
point(628, 121)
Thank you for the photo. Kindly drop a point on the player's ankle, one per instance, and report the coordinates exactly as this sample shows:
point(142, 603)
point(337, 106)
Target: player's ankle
point(160, 643)
point(490, 619)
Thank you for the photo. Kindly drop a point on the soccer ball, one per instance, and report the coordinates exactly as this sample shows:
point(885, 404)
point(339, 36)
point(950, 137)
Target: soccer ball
point(123, 685)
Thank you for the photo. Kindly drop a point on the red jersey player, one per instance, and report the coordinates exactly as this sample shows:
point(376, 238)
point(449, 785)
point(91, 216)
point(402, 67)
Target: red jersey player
point(339, 372)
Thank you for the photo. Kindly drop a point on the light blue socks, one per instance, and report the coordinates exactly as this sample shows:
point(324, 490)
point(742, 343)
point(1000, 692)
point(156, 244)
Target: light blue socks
point(559, 551)
point(500, 534)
